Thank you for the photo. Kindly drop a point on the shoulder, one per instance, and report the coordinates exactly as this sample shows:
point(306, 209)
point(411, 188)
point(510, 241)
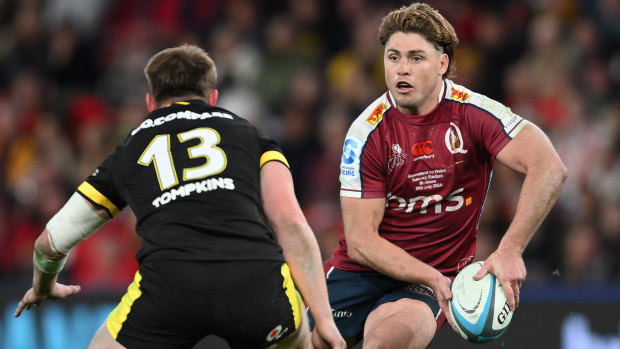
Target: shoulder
point(480, 107)
point(370, 118)
point(461, 94)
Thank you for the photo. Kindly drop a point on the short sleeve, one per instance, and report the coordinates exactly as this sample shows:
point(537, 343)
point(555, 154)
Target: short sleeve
point(100, 190)
point(270, 150)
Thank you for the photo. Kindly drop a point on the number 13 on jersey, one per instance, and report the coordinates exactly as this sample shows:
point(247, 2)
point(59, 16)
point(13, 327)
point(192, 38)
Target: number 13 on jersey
point(158, 152)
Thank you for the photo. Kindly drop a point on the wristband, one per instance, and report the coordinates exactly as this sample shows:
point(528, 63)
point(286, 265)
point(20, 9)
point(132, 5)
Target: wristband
point(47, 265)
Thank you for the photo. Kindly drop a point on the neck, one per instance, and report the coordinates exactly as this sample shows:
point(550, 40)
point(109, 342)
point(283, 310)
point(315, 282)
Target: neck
point(172, 100)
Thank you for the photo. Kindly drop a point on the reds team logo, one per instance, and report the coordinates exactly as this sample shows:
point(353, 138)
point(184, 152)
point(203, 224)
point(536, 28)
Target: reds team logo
point(454, 140)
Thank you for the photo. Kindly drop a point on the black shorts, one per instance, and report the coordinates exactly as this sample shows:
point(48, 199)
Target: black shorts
point(174, 304)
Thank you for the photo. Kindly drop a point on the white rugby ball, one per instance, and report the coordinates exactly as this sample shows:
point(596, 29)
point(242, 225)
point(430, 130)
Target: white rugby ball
point(479, 309)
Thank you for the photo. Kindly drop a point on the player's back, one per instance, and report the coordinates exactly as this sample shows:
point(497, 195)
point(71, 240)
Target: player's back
point(191, 174)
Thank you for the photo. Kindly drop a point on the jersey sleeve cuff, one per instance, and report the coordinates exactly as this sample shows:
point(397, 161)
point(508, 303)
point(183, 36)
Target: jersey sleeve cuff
point(273, 155)
point(94, 196)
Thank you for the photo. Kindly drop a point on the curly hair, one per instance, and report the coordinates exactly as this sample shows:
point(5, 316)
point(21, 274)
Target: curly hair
point(422, 19)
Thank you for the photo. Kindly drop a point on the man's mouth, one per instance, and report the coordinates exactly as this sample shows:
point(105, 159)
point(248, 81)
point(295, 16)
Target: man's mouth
point(403, 87)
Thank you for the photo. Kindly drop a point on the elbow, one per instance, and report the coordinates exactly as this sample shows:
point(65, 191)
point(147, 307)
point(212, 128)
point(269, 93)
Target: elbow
point(42, 246)
point(355, 252)
point(559, 174)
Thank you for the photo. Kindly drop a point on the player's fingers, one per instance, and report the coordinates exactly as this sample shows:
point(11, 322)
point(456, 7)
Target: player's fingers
point(482, 272)
point(72, 289)
point(446, 311)
point(510, 294)
point(448, 292)
point(20, 308)
point(516, 300)
point(64, 291)
point(517, 291)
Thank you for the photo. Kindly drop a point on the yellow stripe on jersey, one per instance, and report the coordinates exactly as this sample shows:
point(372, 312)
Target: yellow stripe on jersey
point(98, 198)
point(119, 315)
point(272, 155)
point(292, 294)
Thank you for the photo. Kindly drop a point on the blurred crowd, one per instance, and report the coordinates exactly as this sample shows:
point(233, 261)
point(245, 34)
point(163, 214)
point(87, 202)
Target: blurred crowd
point(72, 87)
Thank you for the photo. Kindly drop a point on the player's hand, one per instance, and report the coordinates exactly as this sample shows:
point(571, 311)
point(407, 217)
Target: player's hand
point(32, 298)
point(327, 336)
point(441, 288)
point(509, 268)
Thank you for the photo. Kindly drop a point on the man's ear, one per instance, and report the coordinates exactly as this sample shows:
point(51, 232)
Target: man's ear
point(150, 102)
point(212, 97)
point(445, 62)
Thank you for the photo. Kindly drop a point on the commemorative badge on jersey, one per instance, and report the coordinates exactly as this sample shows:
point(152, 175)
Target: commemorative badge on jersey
point(397, 158)
point(350, 162)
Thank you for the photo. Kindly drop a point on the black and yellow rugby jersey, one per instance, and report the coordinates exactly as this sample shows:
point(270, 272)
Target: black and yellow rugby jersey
point(191, 174)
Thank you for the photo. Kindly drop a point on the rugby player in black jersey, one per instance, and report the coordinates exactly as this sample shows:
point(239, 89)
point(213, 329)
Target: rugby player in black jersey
point(223, 234)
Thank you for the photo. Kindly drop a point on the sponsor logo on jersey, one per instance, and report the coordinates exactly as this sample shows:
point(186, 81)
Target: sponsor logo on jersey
point(349, 166)
point(276, 333)
point(376, 114)
point(513, 124)
point(459, 95)
point(422, 151)
point(454, 140)
point(397, 158)
point(422, 148)
point(512, 121)
point(421, 203)
point(184, 115)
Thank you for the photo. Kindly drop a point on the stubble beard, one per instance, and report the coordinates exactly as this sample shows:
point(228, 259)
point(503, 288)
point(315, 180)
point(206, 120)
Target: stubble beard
point(414, 101)
point(408, 104)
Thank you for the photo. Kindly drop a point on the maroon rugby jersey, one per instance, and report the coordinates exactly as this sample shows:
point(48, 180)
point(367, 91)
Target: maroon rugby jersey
point(434, 171)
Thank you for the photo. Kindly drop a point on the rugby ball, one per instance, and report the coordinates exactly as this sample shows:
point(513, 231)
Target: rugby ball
point(478, 309)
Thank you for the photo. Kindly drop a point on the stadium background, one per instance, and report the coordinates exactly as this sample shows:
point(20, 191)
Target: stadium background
point(71, 87)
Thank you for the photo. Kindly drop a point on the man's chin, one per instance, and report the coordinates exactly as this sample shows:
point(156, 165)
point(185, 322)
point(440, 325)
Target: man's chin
point(406, 103)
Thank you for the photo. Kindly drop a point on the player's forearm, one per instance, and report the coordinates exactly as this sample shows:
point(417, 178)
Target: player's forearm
point(43, 282)
point(375, 252)
point(540, 190)
point(303, 257)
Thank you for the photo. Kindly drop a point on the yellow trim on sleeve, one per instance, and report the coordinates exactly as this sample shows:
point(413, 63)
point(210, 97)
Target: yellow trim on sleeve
point(292, 294)
point(118, 316)
point(272, 155)
point(98, 198)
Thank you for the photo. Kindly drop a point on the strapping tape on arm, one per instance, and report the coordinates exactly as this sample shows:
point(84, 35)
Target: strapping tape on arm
point(75, 222)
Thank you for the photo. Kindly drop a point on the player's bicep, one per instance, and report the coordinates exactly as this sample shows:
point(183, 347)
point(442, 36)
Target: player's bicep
point(529, 149)
point(278, 197)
